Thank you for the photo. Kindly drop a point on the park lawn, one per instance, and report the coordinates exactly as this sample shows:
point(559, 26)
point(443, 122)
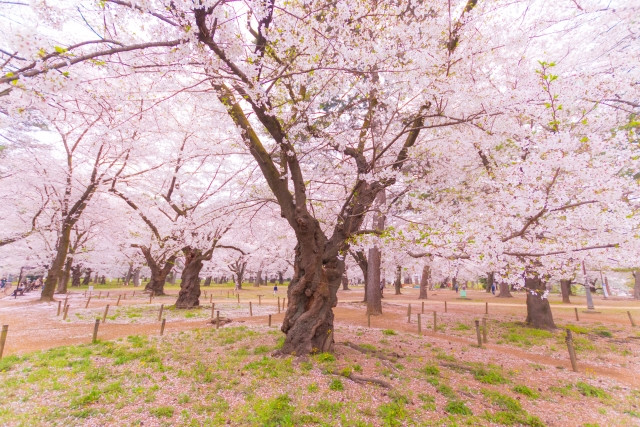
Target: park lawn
point(227, 376)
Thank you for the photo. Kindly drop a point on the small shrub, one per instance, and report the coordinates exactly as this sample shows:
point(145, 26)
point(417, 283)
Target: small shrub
point(431, 370)
point(457, 407)
point(162, 411)
point(461, 327)
point(336, 385)
point(325, 357)
point(389, 332)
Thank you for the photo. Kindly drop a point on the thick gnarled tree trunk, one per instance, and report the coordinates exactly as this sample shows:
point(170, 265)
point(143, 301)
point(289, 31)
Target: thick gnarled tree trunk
point(538, 309)
point(565, 287)
point(312, 292)
point(189, 295)
point(159, 271)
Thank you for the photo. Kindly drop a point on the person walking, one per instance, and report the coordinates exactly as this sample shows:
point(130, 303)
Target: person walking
point(275, 290)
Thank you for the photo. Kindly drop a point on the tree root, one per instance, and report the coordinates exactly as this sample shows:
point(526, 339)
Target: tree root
point(223, 320)
point(366, 380)
point(391, 357)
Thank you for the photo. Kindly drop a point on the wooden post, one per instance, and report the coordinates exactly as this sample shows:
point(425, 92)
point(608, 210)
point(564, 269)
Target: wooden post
point(238, 295)
point(422, 307)
point(134, 294)
point(160, 312)
point(213, 308)
point(164, 321)
point(3, 338)
point(250, 309)
point(95, 331)
point(478, 333)
point(217, 319)
point(269, 320)
point(486, 308)
point(211, 299)
point(66, 312)
point(59, 305)
point(409, 314)
point(118, 302)
point(368, 320)
point(631, 319)
point(577, 317)
point(284, 303)
point(435, 321)
point(99, 294)
point(278, 304)
point(572, 351)
point(259, 299)
point(87, 304)
point(150, 298)
point(419, 324)
point(66, 299)
point(104, 316)
point(445, 306)
point(107, 295)
point(484, 330)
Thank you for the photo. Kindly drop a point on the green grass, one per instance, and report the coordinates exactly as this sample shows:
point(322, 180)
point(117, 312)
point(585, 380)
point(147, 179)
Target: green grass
point(526, 391)
point(389, 332)
point(394, 413)
point(510, 411)
point(591, 391)
point(523, 336)
point(457, 407)
point(489, 374)
point(162, 411)
point(336, 385)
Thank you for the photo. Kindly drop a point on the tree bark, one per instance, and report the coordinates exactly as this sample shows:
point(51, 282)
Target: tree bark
point(55, 271)
point(259, 280)
point(312, 293)
point(345, 282)
point(189, 295)
point(397, 284)
point(538, 309)
point(159, 277)
point(425, 281)
point(361, 260)
point(63, 283)
point(408, 280)
point(636, 285)
point(207, 281)
point(136, 277)
point(565, 285)
point(76, 275)
point(280, 277)
point(171, 278)
point(87, 277)
point(505, 291)
point(490, 281)
point(127, 276)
